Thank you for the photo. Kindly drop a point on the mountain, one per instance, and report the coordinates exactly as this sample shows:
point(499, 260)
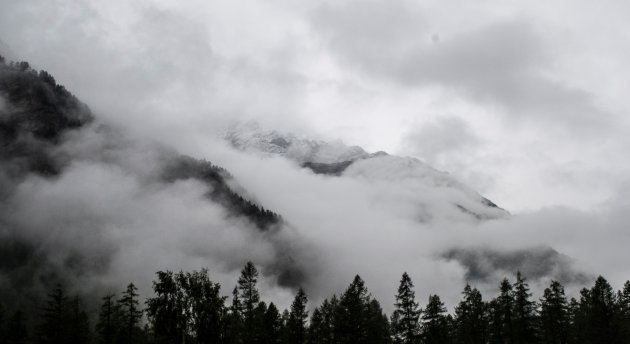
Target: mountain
point(53, 152)
point(436, 191)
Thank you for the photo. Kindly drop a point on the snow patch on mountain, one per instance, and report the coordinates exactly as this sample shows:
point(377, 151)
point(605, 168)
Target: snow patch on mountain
point(251, 137)
point(408, 182)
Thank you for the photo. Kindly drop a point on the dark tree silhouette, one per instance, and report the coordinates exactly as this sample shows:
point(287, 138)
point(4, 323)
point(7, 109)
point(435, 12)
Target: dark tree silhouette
point(296, 325)
point(250, 298)
point(109, 320)
point(554, 315)
point(501, 325)
point(435, 326)
point(405, 323)
point(130, 314)
point(471, 318)
point(321, 330)
point(523, 312)
point(53, 328)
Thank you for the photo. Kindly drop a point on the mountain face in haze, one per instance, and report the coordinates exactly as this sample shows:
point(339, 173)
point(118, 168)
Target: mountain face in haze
point(55, 159)
point(437, 191)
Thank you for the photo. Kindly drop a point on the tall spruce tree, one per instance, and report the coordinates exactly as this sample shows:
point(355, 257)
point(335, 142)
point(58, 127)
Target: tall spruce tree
point(554, 315)
point(53, 328)
point(471, 318)
point(250, 299)
point(272, 326)
point(321, 329)
point(296, 326)
point(108, 325)
point(405, 324)
point(131, 314)
point(234, 320)
point(358, 318)
point(501, 325)
point(350, 316)
point(603, 313)
point(435, 326)
point(623, 298)
point(523, 312)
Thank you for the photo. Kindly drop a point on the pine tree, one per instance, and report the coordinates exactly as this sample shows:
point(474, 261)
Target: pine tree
point(523, 312)
point(378, 329)
point(321, 329)
point(435, 327)
point(108, 325)
point(623, 298)
point(53, 329)
point(579, 314)
point(471, 319)
point(298, 316)
point(603, 317)
point(405, 318)
point(501, 325)
point(272, 326)
point(350, 316)
point(130, 314)
point(234, 320)
point(554, 316)
point(78, 323)
point(250, 299)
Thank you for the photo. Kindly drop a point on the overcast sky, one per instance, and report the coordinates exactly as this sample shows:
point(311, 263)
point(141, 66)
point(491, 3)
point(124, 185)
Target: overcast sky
point(524, 101)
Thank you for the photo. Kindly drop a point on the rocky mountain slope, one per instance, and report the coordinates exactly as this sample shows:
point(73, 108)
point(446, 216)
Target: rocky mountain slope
point(438, 189)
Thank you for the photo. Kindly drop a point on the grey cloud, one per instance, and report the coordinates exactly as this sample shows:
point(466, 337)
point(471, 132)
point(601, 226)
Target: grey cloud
point(502, 64)
point(443, 136)
point(487, 264)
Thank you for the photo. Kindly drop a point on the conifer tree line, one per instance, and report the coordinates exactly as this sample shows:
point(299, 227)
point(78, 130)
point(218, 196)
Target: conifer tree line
point(187, 307)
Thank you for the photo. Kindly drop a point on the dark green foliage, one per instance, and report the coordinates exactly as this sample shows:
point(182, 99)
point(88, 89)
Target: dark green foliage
point(471, 318)
point(187, 307)
point(234, 319)
point(78, 323)
point(554, 315)
point(52, 329)
point(185, 167)
point(37, 113)
point(523, 312)
point(405, 324)
point(501, 324)
point(435, 324)
point(623, 298)
point(250, 298)
point(602, 313)
point(130, 313)
point(272, 326)
point(358, 319)
point(165, 311)
point(322, 327)
point(109, 324)
point(63, 320)
point(333, 169)
point(296, 325)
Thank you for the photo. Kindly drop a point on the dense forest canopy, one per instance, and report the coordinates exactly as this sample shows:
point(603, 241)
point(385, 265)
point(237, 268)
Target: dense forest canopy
point(188, 307)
